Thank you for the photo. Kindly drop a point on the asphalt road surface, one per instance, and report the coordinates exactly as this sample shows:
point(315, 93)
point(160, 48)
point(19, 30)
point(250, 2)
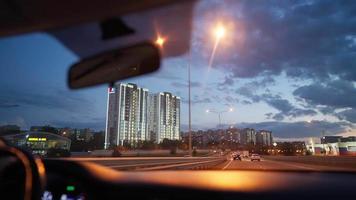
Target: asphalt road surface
point(265, 164)
point(215, 163)
point(155, 163)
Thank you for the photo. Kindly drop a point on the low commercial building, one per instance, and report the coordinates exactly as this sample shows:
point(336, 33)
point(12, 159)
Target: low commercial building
point(333, 149)
point(39, 142)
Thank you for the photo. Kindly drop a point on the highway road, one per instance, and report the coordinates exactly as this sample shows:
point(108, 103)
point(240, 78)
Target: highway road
point(155, 163)
point(266, 164)
point(215, 163)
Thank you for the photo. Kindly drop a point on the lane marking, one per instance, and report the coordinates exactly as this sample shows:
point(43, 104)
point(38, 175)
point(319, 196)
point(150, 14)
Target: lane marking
point(228, 164)
point(143, 164)
point(128, 158)
point(179, 165)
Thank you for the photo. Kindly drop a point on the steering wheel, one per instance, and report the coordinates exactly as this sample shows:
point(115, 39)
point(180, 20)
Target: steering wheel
point(22, 176)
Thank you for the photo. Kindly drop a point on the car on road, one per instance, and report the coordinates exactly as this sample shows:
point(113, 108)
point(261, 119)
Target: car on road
point(255, 157)
point(236, 156)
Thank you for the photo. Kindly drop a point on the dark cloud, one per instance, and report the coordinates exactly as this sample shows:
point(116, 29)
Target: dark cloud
point(285, 107)
point(249, 93)
point(349, 115)
point(249, 89)
point(338, 94)
point(231, 100)
point(329, 96)
point(8, 105)
point(185, 85)
point(308, 39)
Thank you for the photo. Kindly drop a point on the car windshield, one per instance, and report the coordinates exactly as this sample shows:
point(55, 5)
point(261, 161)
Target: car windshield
point(266, 81)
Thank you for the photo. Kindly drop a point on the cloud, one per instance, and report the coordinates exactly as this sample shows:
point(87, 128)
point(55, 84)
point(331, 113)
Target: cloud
point(197, 100)
point(231, 100)
point(306, 39)
point(250, 89)
point(185, 85)
point(19, 121)
point(228, 81)
point(338, 94)
point(8, 105)
point(349, 115)
point(299, 129)
point(55, 99)
point(98, 124)
point(285, 107)
point(330, 96)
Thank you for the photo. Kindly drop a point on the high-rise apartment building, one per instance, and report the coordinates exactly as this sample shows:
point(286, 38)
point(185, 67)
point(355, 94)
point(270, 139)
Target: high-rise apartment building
point(164, 117)
point(126, 120)
point(134, 115)
point(248, 136)
point(264, 137)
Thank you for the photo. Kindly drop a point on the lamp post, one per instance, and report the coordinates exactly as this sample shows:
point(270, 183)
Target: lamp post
point(189, 106)
point(219, 33)
point(219, 113)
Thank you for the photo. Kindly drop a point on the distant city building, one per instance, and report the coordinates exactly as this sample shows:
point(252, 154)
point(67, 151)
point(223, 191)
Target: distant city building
point(9, 129)
point(248, 136)
point(234, 135)
point(164, 117)
point(330, 139)
point(66, 132)
point(264, 138)
point(46, 128)
point(126, 121)
point(81, 134)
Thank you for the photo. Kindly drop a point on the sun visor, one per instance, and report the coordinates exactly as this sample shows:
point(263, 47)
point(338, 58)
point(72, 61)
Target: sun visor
point(173, 23)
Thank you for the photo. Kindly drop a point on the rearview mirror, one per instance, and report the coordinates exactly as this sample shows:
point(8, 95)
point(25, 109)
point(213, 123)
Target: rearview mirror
point(114, 65)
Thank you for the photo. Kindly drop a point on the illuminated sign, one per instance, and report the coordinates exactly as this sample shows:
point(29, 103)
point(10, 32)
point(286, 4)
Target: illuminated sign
point(36, 139)
point(111, 90)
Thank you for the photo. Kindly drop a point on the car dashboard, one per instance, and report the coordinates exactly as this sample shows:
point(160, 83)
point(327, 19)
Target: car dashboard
point(74, 180)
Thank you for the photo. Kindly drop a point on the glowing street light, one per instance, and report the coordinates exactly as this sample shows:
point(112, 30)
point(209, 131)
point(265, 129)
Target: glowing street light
point(160, 41)
point(219, 113)
point(220, 32)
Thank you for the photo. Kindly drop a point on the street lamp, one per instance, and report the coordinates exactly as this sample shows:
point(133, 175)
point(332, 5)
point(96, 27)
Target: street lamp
point(219, 33)
point(274, 147)
point(160, 41)
point(219, 113)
